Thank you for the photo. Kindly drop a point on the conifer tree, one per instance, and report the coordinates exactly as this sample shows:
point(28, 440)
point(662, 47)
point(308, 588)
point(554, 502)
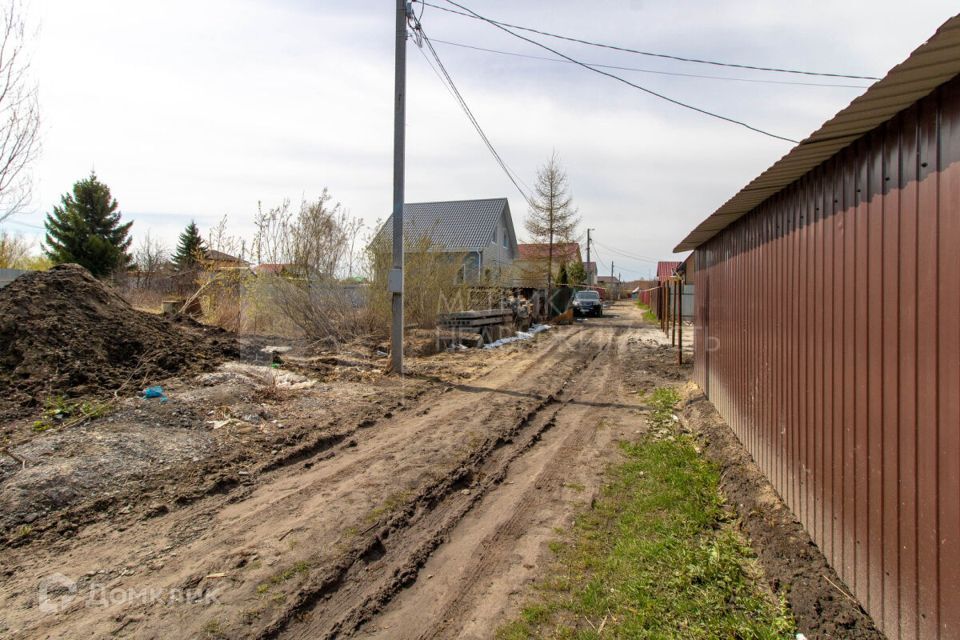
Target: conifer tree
point(189, 248)
point(552, 218)
point(577, 273)
point(86, 229)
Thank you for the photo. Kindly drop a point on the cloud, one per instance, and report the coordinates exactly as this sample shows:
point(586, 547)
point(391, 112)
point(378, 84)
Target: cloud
point(205, 109)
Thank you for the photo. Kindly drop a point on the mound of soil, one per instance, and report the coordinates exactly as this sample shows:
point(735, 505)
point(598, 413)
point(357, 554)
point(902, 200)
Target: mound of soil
point(63, 332)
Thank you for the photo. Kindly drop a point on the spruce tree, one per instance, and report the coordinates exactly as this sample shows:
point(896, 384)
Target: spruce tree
point(86, 229)
point(577, 273)
point(189, 249)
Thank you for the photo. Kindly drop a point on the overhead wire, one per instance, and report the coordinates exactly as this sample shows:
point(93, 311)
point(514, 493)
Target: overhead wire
point(469, 14)
point(625, 254)
point(448, 82)
point(625, 81)
point(653, 71)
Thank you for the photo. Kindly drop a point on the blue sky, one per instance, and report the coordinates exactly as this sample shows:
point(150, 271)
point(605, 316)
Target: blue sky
point(198, 110)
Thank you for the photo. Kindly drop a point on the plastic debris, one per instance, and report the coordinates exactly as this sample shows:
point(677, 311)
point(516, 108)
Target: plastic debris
point(155, 392)
point(521, 335)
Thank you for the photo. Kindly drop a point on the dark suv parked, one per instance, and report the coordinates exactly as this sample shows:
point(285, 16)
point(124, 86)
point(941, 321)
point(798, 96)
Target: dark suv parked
point(587, 303)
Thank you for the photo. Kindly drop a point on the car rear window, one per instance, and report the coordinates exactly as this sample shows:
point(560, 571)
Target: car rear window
point(588, 295)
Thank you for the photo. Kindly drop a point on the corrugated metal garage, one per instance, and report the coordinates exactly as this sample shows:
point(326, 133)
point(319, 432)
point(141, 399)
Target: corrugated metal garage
point(828, 336)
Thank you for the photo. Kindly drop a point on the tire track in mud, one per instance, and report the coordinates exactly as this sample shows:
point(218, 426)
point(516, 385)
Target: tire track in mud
point(375, 446)
point(479, 426)
point(484, 550)
point(495, 549)
point(399, 550)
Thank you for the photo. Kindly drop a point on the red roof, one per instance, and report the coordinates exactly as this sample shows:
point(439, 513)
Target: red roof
point(273, 269)
point(665, 269)
point(561, 251)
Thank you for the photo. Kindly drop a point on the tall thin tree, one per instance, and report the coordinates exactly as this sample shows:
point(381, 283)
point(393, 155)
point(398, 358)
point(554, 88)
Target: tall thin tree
point(552, 218)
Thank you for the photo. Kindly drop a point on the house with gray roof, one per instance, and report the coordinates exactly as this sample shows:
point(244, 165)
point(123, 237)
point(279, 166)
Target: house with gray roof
point(481, 231)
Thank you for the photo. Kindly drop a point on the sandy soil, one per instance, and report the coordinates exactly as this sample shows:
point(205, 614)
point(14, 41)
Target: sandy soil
point(340, 503)
point(319, 530)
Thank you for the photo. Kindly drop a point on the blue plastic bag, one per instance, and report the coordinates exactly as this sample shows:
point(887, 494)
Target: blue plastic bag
point(155, 392)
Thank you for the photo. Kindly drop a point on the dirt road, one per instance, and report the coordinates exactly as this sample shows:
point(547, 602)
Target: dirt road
point(426, 525)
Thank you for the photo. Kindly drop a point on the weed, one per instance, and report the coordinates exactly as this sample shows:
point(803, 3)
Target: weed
point(213, 628)
point(393, 502)
point(576, 486)
point(300, 568)
point(58, 411)
point(249, 616)
point(23, 531)
point(648, 314)
point(663, 401)
point(656, 558)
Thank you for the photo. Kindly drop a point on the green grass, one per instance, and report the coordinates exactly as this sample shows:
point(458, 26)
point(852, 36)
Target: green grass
point(662, 402)
point(648, 314)
point(656, 558)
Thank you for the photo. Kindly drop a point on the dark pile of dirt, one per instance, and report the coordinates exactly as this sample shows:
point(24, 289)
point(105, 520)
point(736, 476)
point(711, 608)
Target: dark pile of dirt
point(62, 332)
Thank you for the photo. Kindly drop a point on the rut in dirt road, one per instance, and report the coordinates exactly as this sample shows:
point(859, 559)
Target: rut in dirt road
point(320, 546)
point(406, 550)
point(492, 553)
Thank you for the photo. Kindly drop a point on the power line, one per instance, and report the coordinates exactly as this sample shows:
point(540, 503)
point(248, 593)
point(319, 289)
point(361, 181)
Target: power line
point(652, 54)
point(626, 254)
point(653, 71)
point(627, 82)
point(452, 87)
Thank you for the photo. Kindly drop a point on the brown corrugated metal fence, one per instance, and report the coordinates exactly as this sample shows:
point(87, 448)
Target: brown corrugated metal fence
point(828, 336)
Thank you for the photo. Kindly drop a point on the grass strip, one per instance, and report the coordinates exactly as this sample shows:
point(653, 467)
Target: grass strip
point(657, 557)
point(648, 314)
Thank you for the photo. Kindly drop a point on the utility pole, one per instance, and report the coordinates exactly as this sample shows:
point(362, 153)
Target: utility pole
point(589, 276)
point(395, 280)
point(550, 268)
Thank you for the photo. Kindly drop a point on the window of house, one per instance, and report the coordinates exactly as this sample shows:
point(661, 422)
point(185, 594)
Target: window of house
point(506, 237)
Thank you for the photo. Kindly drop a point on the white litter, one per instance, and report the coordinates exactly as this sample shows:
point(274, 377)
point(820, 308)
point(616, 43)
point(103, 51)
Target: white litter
point(276, 349)
point(520, 335)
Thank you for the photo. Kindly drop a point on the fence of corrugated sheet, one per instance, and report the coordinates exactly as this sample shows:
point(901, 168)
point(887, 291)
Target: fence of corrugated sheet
point(828, 336)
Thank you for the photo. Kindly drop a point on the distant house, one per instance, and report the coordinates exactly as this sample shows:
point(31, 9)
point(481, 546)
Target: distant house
point(214, 260)
point(530, 270)
point(480, 232)
point(607, 280)
point(666, 269)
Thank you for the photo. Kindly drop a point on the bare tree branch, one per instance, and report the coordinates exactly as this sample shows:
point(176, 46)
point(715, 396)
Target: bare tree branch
point(19, 113)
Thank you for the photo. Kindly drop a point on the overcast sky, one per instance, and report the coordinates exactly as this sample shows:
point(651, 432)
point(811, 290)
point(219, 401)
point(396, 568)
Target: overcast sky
point(194, 110)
